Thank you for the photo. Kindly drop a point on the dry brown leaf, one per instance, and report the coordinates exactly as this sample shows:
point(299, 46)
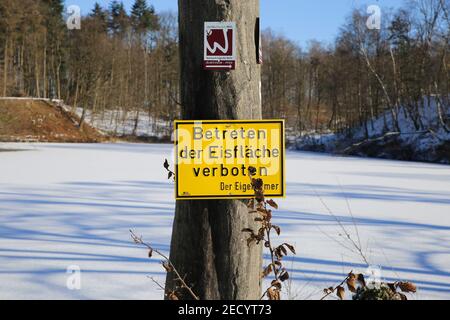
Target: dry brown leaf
point(272, 203)
point(261, 232)
point(407, 287)
point(278, 253)
point(257, 183)
point(277, 229)
point(361, 280)
point(328, 290)
point(340, 292)
point(284, 276)
point(266, 271)
point(290, 247)
point(273, 294)
point(351, 282)
point(260, 207)
point(283, 249)
point(259, 196)
point(173, 296)
point(402, 296)
point(392, 286)
point(269, 215)
point(276, 284)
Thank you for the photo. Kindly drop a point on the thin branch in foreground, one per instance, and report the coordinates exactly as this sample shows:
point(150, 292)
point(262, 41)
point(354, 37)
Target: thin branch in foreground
point(157, 283)
point(260, 206)
point(348, 237)
point(168, 265)
point(337, 288)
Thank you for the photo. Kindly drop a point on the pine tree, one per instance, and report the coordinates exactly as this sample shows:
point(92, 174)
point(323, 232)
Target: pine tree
point(118, 20)
point(143, 17)
point(100, 17)
point(55, 7)
point(54, 20)
point(54, 32)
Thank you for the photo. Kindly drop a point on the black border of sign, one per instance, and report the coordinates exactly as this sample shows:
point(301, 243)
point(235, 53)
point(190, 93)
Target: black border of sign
point(237, 196)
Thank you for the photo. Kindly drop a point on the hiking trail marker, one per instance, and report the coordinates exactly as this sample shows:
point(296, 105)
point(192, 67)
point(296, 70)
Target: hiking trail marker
point(220, 46)
point(213, 158)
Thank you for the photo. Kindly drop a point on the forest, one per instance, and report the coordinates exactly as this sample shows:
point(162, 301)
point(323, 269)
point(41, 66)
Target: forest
point(96, 202)
point(128, 62)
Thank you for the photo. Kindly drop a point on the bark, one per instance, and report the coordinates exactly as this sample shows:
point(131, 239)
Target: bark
point(58, 77)
point(36, 74)
point(5, 68)
point(208, 245)
point(44, 62)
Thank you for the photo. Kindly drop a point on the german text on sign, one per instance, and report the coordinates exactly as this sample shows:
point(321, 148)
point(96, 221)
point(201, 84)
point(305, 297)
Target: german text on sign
point(214, 158)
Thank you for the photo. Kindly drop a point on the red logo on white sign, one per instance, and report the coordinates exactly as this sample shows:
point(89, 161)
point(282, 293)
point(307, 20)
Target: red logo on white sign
point(219, 47)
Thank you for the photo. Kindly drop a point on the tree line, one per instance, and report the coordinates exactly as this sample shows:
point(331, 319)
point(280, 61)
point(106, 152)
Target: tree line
point(128, 61)
point(115, 61)
point(366, 73)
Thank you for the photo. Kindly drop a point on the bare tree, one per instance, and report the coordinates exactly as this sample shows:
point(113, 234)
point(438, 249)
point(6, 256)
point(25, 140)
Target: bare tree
point(208, 245)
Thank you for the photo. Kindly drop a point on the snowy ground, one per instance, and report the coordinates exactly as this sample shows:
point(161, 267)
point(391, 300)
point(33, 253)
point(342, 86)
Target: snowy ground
point(116, 122)
point(63, 205)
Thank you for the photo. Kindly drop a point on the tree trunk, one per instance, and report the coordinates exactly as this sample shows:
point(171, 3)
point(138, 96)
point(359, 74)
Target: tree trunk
point(45, 69)
point(5, 68)
point(208, 245)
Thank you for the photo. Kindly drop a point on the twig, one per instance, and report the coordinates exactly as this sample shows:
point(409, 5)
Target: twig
point(336, 287)
point(138, 240)
point(351, 214)
point(344, 230)
point(157, 283)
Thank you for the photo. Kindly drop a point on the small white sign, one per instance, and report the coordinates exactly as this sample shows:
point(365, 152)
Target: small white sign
point(220, 46)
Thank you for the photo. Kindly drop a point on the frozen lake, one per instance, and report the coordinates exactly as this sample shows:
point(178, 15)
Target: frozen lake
point(67, 205)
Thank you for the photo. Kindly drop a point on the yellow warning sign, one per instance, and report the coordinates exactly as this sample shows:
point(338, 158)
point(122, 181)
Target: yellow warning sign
point(213, 158)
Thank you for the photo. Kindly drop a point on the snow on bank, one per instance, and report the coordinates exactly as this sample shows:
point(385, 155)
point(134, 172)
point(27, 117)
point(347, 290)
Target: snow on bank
point(72, 204)
point(422, 144)
point(120, 123)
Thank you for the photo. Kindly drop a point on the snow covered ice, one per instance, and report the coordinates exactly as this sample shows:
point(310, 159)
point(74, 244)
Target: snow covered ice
point(73, 204)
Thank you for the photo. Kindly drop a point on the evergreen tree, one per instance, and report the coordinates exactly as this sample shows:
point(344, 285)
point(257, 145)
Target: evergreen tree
point(100, 17)
point(55, 7)
point(118, 20)
point(53, 12)
point(399, 29)
point(54, 42)
point(143, 17)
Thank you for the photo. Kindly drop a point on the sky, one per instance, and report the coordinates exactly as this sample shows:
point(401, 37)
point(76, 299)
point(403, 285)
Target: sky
point(298, 20)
